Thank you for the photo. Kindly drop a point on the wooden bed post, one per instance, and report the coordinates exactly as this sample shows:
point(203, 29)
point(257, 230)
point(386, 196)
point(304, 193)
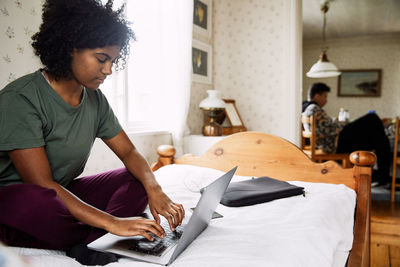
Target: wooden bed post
point(166, 154)
point(360, 253)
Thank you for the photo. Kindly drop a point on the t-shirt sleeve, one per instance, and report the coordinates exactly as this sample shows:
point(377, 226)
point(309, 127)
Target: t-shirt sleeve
point(20, 123)
point(109, 125)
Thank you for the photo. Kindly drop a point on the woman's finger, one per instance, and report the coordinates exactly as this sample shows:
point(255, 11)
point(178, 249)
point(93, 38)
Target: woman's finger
point(155, 215)
point(181, 212)
point(170, 219)
point(155, 228)
point(175, 215)
point(146, 235)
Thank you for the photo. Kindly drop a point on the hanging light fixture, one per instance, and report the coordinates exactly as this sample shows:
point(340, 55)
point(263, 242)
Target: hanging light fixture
point(323, 68)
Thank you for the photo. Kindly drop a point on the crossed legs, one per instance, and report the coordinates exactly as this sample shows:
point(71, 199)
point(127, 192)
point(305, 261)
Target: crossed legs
point(33, 216)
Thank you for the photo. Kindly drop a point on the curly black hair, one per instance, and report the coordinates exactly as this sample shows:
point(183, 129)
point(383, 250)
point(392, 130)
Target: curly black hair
point(79, 24)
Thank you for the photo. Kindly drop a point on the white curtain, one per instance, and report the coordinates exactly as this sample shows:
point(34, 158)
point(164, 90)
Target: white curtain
point(157, 79)
point(176, 66)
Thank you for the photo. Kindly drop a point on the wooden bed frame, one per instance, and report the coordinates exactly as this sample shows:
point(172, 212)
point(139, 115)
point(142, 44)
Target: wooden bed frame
point(260, 154)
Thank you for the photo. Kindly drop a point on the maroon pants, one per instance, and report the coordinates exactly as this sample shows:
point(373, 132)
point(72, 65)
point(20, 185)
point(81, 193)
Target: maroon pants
point(33, 216)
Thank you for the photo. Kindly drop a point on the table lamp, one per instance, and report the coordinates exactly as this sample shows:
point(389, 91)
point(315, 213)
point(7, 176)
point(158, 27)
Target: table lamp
point(213, 109)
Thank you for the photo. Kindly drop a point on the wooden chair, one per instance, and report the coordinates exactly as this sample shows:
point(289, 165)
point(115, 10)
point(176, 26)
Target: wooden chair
point(396, 159)
point(308, 145)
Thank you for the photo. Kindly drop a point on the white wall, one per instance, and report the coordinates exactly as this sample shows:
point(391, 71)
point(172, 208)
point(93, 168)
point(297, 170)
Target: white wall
point(375, 52)
point(103, 159)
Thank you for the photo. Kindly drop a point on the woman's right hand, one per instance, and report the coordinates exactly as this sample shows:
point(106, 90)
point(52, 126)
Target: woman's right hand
point(133, 226)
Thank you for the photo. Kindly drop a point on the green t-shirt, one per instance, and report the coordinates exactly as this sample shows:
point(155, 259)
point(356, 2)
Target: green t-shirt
point(32, 115)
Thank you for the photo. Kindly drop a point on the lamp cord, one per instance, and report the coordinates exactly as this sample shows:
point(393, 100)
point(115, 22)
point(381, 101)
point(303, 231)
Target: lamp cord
point(324, 9)
point(324, 29)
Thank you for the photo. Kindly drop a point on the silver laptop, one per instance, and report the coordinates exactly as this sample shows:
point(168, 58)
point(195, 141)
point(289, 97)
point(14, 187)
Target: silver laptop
point(135, 247)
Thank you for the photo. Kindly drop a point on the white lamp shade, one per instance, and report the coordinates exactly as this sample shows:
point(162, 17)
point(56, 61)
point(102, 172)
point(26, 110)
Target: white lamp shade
point(323, 68)
point(213, 100)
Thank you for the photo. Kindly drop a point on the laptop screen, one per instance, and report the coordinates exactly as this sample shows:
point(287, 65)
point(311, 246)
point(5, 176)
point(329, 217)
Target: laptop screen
point(203, 212)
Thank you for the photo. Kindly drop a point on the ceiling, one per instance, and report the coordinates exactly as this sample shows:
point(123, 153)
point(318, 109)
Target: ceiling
point(351, 18)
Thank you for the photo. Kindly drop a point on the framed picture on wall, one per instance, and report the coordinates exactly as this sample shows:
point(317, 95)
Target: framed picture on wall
point(202, 15)
point(201, 62)
point(360, 83)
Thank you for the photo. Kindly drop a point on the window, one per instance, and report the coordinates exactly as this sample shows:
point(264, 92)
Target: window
point(153, 92)
point(135, 92)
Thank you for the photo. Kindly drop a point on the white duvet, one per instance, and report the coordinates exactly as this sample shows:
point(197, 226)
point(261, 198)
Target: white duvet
point(315, 230)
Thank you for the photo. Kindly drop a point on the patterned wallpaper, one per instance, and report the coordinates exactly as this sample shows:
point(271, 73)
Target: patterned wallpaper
point(249, 47)
point(248, 63)
point(195, 116)
point(360, 53)
point(19, 20)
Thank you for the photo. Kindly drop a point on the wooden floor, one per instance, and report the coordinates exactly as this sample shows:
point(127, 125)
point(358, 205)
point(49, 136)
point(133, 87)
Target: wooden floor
point(385, 233)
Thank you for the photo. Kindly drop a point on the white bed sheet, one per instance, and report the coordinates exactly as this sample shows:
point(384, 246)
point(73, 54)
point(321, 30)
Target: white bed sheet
point(315, 230)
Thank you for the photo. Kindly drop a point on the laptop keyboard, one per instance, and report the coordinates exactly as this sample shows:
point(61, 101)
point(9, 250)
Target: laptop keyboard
point(158, 245)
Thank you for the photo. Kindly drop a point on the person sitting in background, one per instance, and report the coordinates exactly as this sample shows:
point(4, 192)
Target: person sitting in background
point(364, 133)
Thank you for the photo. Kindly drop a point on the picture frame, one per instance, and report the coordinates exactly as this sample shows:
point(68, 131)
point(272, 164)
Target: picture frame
point(233, 117)
point(202, 17)
point(201, 62)
point(360, 83)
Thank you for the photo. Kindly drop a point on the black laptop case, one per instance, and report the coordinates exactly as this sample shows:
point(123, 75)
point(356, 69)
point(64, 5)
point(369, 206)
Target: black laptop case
point(258, 190)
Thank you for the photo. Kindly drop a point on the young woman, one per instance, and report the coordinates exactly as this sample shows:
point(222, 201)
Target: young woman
point(49, 120)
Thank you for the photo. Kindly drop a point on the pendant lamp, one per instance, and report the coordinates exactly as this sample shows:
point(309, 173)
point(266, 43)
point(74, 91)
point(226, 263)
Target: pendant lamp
point(323, 68)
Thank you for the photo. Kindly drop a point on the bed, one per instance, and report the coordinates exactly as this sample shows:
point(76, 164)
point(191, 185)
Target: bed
point(329, 226)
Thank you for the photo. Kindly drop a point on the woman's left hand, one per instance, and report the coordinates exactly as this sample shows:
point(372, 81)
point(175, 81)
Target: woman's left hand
point(161, 204)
